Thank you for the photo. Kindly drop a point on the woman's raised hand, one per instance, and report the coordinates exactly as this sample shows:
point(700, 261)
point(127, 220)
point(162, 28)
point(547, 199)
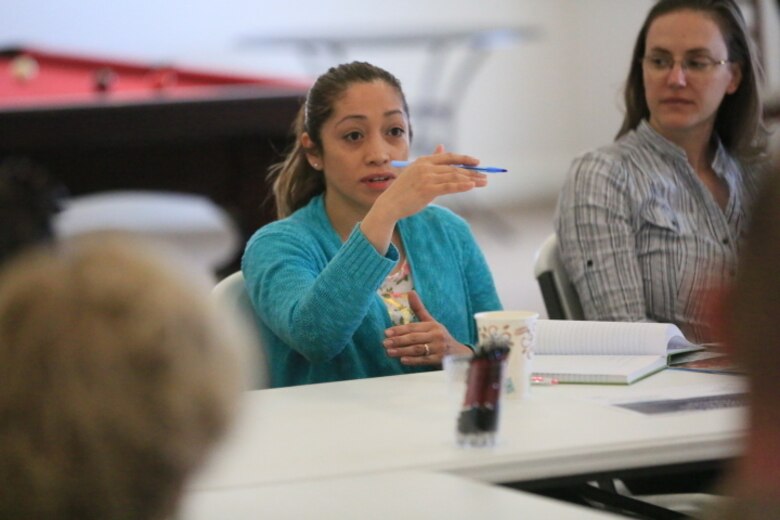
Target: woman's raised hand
point(414, 188)
point(430, 176)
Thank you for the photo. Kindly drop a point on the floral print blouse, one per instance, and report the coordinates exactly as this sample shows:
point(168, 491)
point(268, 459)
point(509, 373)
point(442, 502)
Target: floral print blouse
point(395, 293)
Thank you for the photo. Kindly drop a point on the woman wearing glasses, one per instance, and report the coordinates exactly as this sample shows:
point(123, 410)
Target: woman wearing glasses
point(649, 224)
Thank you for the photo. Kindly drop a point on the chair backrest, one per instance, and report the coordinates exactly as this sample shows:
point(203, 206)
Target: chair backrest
point(560, 297)
point(189, 225)
point(231, 295)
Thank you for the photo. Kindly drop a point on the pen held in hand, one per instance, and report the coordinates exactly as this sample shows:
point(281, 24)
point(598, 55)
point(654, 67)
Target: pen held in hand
point(483, 169)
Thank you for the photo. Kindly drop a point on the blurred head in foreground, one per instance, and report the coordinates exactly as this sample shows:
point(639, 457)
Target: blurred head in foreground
point(117, 377)
point(749, 321)
point(753, 307)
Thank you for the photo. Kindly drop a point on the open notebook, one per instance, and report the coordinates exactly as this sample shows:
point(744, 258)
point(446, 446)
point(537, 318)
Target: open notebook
point(605, 352)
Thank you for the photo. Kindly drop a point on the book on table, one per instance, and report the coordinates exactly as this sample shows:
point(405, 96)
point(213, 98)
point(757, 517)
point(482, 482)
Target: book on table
point(713, 360)
point(605, 352)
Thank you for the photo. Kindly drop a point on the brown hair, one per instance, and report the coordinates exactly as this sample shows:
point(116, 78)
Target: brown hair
point(739, 122)
point(295, 182)
point(117, 376)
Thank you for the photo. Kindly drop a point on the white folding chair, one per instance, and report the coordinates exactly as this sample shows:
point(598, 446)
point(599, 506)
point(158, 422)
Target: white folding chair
point(231, 295)
point(188, 225)
point(560, 297)
point(563, 303)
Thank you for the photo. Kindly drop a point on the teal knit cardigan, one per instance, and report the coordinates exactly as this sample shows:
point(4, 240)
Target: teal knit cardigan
point(316, 298)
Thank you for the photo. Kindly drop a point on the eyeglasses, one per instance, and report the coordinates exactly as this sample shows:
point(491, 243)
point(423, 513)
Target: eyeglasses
point(693, 66)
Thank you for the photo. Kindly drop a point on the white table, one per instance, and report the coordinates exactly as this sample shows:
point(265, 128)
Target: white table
point(395, 495)
point(406, 423)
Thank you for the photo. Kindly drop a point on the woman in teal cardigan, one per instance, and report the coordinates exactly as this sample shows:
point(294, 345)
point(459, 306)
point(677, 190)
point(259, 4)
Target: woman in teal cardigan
point(361, 277)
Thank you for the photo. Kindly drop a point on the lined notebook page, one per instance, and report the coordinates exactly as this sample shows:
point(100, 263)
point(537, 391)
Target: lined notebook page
point(568, 337)
point(597, 369)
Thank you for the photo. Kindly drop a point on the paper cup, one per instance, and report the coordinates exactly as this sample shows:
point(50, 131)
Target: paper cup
point(518, 329)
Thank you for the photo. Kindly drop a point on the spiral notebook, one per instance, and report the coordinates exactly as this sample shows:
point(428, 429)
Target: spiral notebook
point(605, 352)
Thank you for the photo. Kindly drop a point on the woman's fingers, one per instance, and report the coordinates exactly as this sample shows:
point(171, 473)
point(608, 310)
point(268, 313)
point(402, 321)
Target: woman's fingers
point(440, 176)
point(420, 343)
point(420, 354)
point(440, 157)
point(426, 179)
point(449, 158)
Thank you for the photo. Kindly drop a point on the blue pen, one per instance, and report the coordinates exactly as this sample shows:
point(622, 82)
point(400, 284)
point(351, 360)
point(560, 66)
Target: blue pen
point(483, 169)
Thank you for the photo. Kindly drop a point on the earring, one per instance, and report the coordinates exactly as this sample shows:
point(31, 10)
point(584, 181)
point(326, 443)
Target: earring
point(315, 165)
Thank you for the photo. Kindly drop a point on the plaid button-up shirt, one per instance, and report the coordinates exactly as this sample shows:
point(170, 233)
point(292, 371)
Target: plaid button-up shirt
point(642, 237)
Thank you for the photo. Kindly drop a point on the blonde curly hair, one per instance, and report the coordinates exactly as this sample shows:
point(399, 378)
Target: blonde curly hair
point(117, 377)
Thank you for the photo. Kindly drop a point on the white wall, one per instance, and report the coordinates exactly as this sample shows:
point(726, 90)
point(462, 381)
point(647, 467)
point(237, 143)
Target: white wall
point(531, 107)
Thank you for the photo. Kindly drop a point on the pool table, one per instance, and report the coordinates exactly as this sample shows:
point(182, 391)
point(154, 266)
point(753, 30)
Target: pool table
point(104, 124)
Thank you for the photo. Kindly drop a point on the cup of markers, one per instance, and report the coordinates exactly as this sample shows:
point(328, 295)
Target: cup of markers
point(479, 416)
